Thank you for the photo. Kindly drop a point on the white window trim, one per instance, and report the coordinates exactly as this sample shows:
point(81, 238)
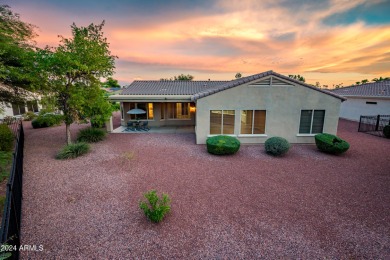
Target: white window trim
point(306, 135)
point(222, 134)
point(253, 124)
point(311, 123)
point(255, 135)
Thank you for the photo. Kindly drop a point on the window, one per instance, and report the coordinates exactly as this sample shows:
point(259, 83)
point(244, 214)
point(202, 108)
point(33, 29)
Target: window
point(371, 103)
point(312, 121)
point(179, 111)
point(148, 107)
point(18, 109)
point(253, 122)
point(32, 106)
point(222, 122)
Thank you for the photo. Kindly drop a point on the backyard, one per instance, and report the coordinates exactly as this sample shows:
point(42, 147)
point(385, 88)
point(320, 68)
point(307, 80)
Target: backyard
point(250, 205)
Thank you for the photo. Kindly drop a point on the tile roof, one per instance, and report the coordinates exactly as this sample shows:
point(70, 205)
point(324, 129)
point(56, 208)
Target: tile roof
point(376, 89)
point(240, 81)
point(200, 89)
point(174, 87)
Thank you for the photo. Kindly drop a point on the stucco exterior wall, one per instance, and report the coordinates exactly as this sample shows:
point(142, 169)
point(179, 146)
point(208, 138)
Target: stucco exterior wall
point(354, 107)
point(157, 121)
point(9, 112)
point(283, 105)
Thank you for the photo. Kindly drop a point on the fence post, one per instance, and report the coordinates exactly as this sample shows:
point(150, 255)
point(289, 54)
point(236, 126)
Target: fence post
point(360, 123)
point(377, 122)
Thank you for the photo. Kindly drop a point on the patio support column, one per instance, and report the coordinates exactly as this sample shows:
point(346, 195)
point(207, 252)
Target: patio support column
point(109, 125)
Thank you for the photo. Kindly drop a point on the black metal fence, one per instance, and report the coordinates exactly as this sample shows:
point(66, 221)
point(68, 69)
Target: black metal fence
point(373, 124)
point(10, 225)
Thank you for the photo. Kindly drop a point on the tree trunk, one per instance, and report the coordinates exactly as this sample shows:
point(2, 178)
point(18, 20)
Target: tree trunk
point(68, 137)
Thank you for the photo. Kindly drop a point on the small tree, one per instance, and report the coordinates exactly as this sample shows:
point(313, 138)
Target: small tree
point(73, 70)
point(187, 77)
point(238, 75)
point(297, 77)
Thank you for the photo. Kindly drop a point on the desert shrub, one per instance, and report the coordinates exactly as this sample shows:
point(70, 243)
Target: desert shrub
point(6, 138)
point(331, 144)
point(91, 135)
point(46, 120)
point(155, 208)
point(386, 131)
point(222, 144)
point(29, 115)
point(276, 146)
point(73, 151)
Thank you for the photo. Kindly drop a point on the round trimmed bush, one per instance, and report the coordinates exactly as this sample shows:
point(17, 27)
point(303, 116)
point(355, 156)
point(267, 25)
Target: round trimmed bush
point(91, 135)
point(386, 131)
point(222, 144)
point(46, 120)
point(331, 144)
point(6, 138)
point(277, 146)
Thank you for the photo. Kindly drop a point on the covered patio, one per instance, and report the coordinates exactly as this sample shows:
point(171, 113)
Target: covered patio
point(157, 130)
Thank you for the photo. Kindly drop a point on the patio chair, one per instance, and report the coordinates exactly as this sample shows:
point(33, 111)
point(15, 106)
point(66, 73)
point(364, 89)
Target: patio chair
point(144, 126)
point(130, 126)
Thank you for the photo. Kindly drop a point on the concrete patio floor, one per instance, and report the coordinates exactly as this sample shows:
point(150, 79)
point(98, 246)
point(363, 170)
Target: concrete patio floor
point(158, 130)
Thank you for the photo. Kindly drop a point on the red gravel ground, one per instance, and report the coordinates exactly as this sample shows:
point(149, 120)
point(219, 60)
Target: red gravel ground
point(249, 205)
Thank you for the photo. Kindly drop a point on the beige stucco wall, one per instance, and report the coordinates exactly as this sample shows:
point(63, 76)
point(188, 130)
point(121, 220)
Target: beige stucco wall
point(157, 121)
point(354, 107)
point(282, 103)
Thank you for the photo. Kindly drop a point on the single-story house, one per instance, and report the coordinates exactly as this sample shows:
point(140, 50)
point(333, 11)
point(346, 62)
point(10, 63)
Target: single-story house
point(366, 99)
point(251, 108)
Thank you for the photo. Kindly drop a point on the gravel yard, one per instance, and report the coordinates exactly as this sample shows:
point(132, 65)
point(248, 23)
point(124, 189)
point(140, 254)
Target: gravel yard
point(250, 205)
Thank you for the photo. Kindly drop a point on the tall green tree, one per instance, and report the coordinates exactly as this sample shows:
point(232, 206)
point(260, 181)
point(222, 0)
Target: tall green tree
point(17, 50)
point(74, 68)
point(111, 83)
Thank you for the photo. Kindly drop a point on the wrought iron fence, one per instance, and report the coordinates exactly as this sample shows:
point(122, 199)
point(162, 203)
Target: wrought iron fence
point(10, 225)
point(373, 124)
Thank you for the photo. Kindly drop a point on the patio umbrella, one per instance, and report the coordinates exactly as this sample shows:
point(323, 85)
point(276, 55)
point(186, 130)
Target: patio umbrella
point(136, 111)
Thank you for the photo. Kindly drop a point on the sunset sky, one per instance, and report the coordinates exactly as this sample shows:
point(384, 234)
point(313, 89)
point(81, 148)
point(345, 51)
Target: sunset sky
point(330, 42)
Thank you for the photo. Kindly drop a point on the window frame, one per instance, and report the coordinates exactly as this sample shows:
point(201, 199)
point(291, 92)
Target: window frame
point(146, 109)
point(222, 120)
point(253, 123)
point(311, 122)
point(174, 104)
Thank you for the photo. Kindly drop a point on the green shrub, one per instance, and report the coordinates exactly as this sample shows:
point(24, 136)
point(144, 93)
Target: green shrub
point(6, 138)
point(276, 146)
point(5, 165)
point(386, 131)
point(29, 115)
point(2, 203)
point(155, 208)
point(222, 144)
point(73, 151)
point(46, 120)
point(91, 135)
point(331, 144)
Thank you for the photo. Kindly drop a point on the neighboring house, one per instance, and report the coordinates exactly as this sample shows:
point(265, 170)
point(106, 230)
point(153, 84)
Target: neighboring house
point(251, 108)
point(366, 99)
point(17, 110)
